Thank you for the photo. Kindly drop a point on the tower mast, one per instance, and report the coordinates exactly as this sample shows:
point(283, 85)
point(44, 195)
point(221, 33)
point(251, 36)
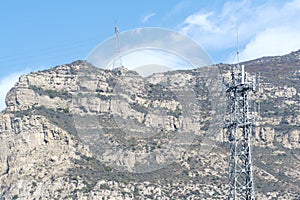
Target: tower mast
point(239, 126)
point(118, 60)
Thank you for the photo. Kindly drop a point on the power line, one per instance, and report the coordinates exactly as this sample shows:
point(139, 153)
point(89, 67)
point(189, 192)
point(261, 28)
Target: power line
point(58, 50)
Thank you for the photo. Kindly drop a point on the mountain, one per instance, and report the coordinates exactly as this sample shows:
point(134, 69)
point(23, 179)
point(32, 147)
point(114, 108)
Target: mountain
point(79, 132)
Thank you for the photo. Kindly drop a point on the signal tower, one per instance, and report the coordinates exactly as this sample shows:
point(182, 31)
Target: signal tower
point(239, 125)
point(118, 60)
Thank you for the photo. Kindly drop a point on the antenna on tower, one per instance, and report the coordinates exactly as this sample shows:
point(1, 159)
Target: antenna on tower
point(118, 60)
point(237, 46)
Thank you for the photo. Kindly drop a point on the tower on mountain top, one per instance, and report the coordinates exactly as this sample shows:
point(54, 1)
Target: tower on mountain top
point(117, 62)
point(240, 121)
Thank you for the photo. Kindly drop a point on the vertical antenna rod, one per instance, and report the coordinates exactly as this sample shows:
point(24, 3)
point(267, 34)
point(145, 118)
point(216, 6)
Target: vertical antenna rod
point(237, 46)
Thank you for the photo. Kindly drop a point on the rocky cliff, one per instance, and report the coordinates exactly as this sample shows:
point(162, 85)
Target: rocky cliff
point(78, 132)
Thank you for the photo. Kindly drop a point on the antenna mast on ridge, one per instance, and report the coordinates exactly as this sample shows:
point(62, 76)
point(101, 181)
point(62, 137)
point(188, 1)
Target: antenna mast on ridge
point(118, 60)
point(239, 126)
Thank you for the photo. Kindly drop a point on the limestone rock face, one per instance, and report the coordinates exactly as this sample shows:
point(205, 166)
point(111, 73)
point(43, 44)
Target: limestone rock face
point(79, 132)
point(34, 153)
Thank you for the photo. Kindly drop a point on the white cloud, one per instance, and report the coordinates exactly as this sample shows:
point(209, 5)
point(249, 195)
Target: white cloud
point(6, 84)
point(273, 41)
point(268, 28)
point(202, 21)
point(147, 17)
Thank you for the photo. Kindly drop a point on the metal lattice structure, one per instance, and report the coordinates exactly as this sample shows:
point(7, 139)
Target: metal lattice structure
point(239, 126)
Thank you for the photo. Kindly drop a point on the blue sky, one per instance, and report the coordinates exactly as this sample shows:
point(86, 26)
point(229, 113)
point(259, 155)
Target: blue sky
point(41, 34)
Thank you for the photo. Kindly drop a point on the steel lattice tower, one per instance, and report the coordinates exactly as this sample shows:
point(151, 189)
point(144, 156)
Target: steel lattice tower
point(239, 126)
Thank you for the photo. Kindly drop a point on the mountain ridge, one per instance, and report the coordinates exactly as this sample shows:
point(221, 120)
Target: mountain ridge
point(49, 150)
